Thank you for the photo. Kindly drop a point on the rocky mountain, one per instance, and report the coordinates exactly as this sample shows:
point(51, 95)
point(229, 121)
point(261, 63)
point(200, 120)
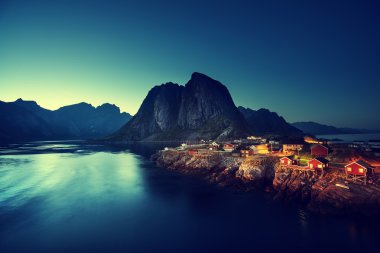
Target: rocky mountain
point(26, 120)
point(202, 109)
point(320, 129)
point(264, 121)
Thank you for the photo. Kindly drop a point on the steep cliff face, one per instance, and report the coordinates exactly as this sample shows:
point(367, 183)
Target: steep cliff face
point(202, 109)
point(157, 116)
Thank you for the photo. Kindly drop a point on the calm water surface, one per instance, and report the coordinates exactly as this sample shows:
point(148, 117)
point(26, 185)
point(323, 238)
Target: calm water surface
point(351, 137)
point(71, 197)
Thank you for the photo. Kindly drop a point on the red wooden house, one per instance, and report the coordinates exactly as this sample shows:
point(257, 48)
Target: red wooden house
point(192, 151)
point(318, 163)
point(358, 170)
point(228, 147)
point(319, 150)
point(247, 152)
point(285, 161)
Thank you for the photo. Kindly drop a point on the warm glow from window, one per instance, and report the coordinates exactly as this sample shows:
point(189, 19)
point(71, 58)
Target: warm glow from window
point(361, 170)
point(349, 169)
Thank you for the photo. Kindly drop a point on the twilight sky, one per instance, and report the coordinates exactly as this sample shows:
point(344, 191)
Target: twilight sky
point(307, 60)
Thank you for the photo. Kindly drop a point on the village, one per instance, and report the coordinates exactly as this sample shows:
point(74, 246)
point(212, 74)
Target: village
point(353, 162)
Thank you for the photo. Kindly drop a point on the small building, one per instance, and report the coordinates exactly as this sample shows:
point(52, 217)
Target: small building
point(246, 152)
point(318, 163)
point(228, 147)
point(319, 150)
point(358, 171)
point(261, 149)
point(285, 161)
point(215, 144)
point(291, 148)
point(254, 149)
point(192, 151)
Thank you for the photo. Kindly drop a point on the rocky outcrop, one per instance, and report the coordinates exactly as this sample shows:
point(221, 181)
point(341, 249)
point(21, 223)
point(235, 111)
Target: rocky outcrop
point(202, 109)
point(322, 195)
point(318, 193)
point(224, 170)
point(257, 169)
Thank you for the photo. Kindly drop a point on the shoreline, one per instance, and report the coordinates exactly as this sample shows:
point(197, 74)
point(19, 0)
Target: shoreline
point(325, 195)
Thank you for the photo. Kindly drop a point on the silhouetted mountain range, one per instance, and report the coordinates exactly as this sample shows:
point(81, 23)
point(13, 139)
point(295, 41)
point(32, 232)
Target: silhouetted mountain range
point(202, 109)
point(26, 120)
point(264, 121)
point(320, 129)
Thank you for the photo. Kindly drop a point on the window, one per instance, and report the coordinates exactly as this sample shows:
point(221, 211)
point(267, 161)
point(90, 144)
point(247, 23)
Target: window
point(282, 161)
point(361, 170)
point(320, 166)
point(311, 166)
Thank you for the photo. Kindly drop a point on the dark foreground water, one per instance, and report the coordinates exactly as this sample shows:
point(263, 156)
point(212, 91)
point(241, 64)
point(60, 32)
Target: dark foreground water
point(70, 197)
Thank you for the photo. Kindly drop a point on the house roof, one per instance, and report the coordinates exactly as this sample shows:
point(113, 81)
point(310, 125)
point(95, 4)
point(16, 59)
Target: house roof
point(361, 163)
point(286, 157)
point(316, 145)
point(321, 159)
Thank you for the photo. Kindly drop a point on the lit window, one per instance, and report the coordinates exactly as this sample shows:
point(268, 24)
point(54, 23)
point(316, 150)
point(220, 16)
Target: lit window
point(361, 170)
point(283, 161)
point(320, 166)
point(311, 166)
point(349, 169)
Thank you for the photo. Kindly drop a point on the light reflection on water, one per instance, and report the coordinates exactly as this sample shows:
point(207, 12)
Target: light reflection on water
point(95, 199)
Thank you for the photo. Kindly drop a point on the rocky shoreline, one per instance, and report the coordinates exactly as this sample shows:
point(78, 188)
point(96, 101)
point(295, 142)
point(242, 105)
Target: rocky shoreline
point(320, 194)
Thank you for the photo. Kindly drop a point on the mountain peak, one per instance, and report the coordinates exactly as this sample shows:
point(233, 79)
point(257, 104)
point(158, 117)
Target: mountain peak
point(264, 121)
point(200, 78)
point(198, 75)
point(203, 109)
point(20, 100)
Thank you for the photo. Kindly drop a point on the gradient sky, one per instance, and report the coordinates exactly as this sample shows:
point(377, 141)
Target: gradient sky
point(306, 60)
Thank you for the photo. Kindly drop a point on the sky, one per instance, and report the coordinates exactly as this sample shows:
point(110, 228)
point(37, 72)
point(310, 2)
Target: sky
point(306, 60)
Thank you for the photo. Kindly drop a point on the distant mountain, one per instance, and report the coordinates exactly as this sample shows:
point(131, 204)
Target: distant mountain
point(320, 129)
point(18, 124)
point(264, 121)
point(202, 109)
point(26, 120)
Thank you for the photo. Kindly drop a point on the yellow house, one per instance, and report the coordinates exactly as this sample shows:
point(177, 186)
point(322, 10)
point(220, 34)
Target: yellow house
point(291, 148)
point(262, 149)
